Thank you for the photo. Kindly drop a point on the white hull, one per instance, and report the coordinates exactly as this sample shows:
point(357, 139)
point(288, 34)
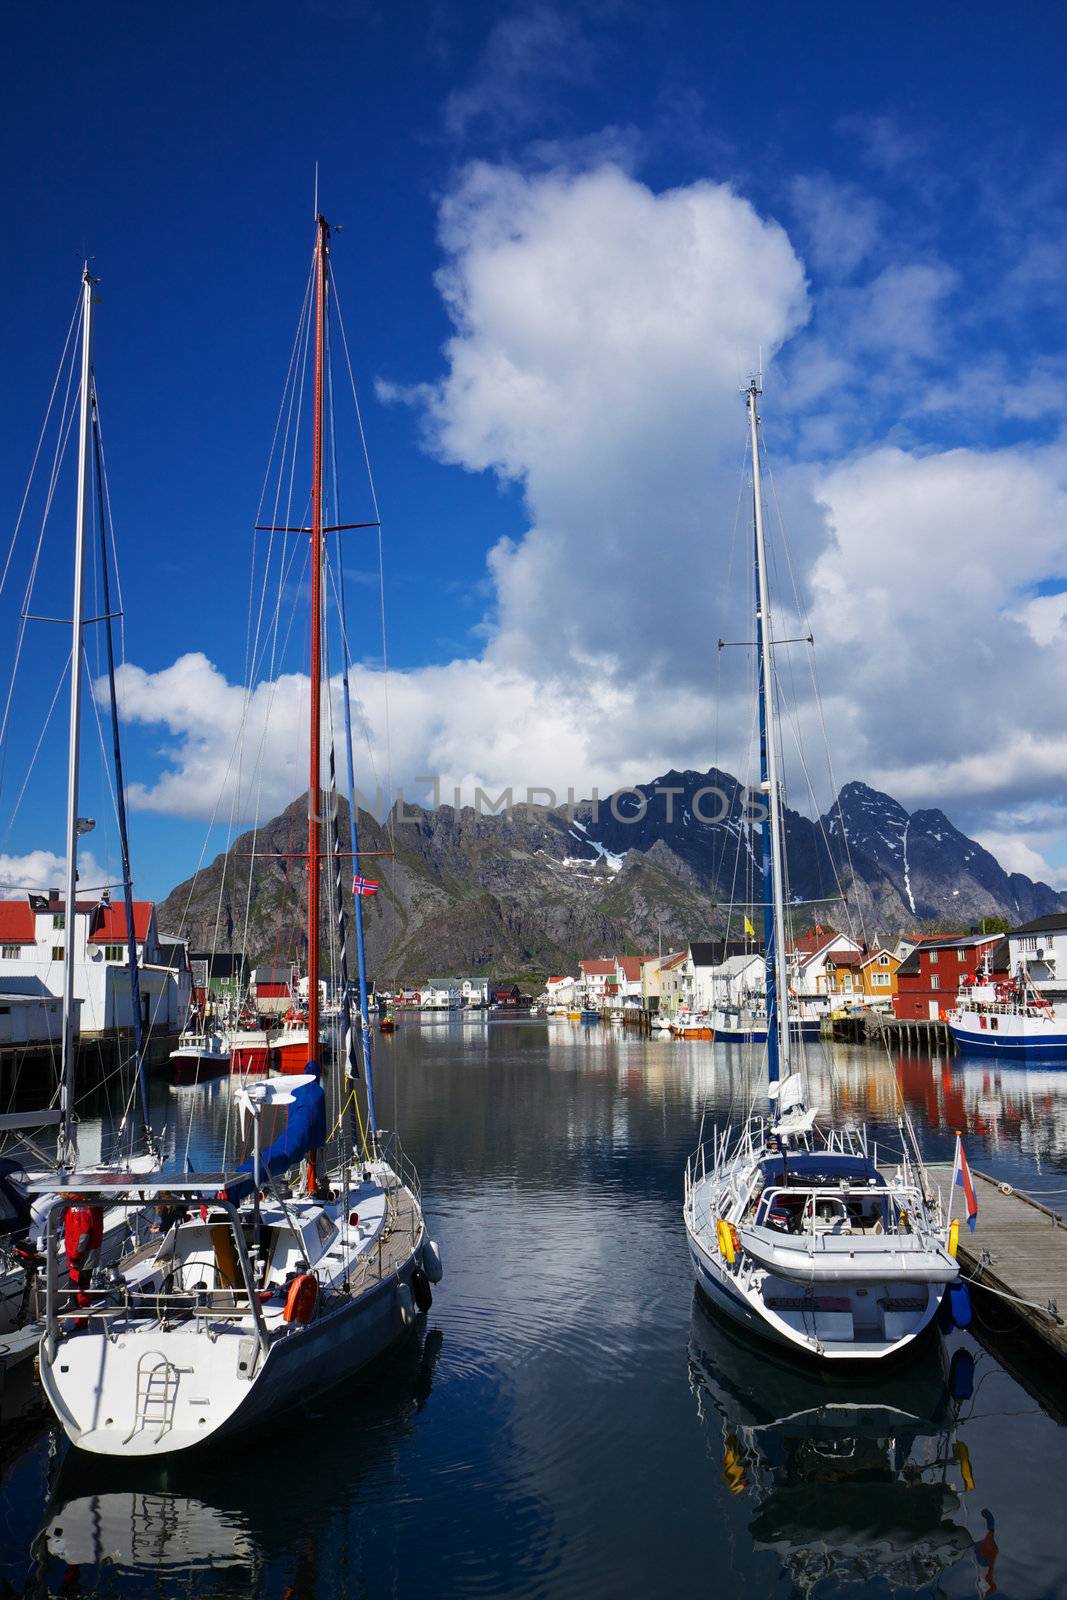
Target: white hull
point(132, 1385)
point(791, 1330)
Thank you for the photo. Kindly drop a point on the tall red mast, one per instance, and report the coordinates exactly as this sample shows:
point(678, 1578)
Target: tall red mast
point(315, 783)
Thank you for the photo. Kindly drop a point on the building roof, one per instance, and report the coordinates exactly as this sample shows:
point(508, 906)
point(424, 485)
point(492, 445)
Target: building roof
point(220, 965)
point(631, 966)
point(912, 963)
point(845, 958)
point(109, 922)
point(878, 951)
point(17, 923)
point(1055, 923)
point(598, 969)
point(672, 961)
point(713, 952)
point(817, 938)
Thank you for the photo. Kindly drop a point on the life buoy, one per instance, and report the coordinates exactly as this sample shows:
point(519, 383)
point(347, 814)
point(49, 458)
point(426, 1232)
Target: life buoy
point(953, 1237)
point(300, 1301)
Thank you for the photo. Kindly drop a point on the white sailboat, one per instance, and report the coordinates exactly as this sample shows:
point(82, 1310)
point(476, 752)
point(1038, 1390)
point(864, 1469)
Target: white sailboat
point(796, 1230)
point(257, 1293)
point(19, 1259)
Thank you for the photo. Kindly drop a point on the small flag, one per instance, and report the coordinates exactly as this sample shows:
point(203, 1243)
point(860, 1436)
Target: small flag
point(362, 885)
point(963, 1178)
point(749, 929)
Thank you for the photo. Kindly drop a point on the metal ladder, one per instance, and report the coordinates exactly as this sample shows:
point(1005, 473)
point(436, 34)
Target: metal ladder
point(157, 1394)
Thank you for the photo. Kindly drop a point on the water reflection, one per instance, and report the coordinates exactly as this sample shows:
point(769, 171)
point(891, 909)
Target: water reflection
point(851, 1478)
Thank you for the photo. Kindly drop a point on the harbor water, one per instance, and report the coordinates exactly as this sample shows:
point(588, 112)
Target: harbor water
point(569, 1420)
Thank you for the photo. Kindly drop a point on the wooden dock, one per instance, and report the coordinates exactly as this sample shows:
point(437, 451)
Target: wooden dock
point(1018, 1253)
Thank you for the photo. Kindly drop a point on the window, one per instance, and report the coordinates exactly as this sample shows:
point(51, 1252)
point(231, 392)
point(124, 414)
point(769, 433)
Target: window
point(59, 919)
point(114, 952)
point(880, 979)
point(933, 958)
point(935, 982)
point(57, 952)
point(10, 952)
point(883, 960)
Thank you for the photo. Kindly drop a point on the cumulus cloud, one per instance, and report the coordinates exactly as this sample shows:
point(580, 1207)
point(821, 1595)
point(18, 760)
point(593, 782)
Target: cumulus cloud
point(40, 870)
point(600, 330)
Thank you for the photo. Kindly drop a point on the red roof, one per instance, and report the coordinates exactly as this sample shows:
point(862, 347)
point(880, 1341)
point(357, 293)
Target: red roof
point(109, 923)
point(845, 958)
point(631, 966)
point(672, 961)
point(598, 969)
point(17, 922)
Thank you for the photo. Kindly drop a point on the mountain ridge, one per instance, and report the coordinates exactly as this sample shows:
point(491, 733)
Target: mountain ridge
point(651, 866)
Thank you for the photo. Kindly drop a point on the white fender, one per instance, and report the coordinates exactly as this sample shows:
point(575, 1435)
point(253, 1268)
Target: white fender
point(405, 1302)
point(431, 1261)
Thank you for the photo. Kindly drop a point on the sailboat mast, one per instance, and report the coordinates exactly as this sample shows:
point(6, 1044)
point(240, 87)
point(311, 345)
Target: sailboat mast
point(775, 955)
point(67, 1144)
point(315, 715)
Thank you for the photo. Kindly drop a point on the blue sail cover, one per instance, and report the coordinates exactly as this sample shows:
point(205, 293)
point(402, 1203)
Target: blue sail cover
point(305, 1130)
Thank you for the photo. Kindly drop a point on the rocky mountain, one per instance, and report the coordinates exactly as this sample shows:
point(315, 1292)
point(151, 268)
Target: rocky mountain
point(536, 888)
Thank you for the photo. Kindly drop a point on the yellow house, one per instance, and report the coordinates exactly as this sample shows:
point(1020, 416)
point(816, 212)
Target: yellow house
point(879, 974)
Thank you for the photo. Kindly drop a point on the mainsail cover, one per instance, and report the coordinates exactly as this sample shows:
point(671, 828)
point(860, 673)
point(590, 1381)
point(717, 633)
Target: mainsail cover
point(304, 1131)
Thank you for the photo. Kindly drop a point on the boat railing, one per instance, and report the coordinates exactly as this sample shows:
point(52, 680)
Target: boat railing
point(391, 1151)
point(902, 1208)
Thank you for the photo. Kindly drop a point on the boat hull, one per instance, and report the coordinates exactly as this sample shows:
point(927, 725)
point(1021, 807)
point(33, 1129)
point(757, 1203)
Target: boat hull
point(1038, 1042)
point(718, 1286)
point(192, 1067)
point(252, 1056)
point(307, 1363)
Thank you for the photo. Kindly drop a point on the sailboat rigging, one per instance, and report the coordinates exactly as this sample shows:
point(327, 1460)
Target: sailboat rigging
point(260, 1290)
point(795, 1230)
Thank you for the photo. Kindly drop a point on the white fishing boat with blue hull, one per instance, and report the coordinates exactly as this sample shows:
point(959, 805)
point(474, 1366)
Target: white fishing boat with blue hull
point(1016, 1037)
point(796, 1231)
point(1012, 1019)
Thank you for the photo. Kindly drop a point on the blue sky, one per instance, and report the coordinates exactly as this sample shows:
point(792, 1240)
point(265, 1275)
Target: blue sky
point(875, 195)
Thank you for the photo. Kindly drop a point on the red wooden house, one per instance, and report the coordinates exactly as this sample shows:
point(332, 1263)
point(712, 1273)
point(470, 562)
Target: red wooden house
point(930, 978)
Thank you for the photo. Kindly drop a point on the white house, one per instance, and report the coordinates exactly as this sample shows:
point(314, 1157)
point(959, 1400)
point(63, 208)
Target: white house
point(1040, 948)
point(808, 956)
point(441, 994)
point(476, 991)
point(597, 980)
point(628, 991)
point(562, 991)
point(33, 937)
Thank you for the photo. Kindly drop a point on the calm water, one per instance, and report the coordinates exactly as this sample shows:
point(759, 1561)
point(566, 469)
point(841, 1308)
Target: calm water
point(570, 1421)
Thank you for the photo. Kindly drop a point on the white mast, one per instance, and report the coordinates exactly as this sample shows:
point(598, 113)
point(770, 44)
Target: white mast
point(774, 796)
point(68, 1143)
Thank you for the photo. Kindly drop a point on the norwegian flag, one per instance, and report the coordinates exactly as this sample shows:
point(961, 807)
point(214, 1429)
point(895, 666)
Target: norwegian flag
point(963, 1178)
point(362, 885)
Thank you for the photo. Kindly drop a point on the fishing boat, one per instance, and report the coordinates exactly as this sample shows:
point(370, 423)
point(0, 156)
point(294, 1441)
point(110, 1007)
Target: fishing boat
point(275, 1282)
point(795, 1229)
point(1010, 1019)
point(200, 1054)
point(740, 1025)
point(589, 1014)
point(693, 1025)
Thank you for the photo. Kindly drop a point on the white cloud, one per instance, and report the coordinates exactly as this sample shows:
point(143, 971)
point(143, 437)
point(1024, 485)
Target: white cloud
point(600, 332)
point(40, 870)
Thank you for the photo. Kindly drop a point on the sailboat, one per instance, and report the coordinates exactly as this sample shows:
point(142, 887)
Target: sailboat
point(796, 1230)
point(19, 1232)
point(259, 1292)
